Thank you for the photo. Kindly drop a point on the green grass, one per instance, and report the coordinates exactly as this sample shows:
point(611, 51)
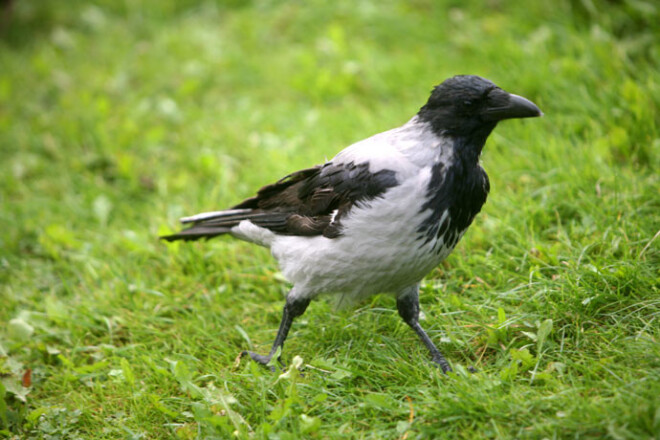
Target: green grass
point(116, 118)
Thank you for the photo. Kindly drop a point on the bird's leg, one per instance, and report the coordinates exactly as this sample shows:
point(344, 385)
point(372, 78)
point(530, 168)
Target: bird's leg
point(293, 308)
point(407, 303)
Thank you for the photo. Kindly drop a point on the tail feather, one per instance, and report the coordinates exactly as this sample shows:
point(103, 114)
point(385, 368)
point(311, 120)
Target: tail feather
point(212, 224)
point(195, 233)
point(207, 216)
point(209, 224)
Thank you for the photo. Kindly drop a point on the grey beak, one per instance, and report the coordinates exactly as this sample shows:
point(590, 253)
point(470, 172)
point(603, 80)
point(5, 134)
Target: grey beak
point(516, 107)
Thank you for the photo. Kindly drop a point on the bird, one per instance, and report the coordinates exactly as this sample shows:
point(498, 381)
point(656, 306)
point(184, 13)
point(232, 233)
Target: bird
point(381, 214)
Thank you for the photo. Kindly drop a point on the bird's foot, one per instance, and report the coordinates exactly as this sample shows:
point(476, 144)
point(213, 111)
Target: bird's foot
point(262, 359)
point(442, 363)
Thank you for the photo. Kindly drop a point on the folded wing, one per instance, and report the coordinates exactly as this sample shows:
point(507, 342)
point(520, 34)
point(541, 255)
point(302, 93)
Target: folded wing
point(306, 203)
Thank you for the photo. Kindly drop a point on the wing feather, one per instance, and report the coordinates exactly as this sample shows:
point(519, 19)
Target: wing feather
point(306, 203)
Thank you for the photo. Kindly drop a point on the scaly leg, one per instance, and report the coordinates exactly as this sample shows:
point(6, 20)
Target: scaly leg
point(293, 308)
point(407, 303)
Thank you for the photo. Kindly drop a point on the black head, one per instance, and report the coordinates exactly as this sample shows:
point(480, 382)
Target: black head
point(468, 106)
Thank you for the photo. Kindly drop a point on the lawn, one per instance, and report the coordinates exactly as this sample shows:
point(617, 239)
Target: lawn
point(117, 118)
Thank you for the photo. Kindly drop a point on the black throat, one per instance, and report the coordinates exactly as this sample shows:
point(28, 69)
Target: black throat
point(469, 134)
point(458, 186)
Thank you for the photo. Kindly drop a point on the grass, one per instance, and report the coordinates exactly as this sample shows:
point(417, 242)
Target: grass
point(116, 118)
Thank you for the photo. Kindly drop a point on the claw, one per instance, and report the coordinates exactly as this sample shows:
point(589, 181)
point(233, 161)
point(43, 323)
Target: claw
point(262, 359)
point(443, 364)
point(293, 308)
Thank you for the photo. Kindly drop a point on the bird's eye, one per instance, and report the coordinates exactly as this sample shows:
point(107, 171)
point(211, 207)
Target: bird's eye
point(487, 91)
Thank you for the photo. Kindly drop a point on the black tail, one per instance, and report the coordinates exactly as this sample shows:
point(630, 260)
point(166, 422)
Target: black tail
point(196, 232)
point(212, 224)
point(209, 224)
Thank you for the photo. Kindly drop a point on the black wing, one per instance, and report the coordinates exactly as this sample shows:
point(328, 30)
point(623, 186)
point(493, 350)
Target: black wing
point(301, 203)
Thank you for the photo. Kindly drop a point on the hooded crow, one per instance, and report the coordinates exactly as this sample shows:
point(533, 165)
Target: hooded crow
point(382, 213)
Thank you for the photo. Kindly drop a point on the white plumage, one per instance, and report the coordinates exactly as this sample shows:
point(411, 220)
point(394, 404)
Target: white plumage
point(382, 213)
point(375, 254)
